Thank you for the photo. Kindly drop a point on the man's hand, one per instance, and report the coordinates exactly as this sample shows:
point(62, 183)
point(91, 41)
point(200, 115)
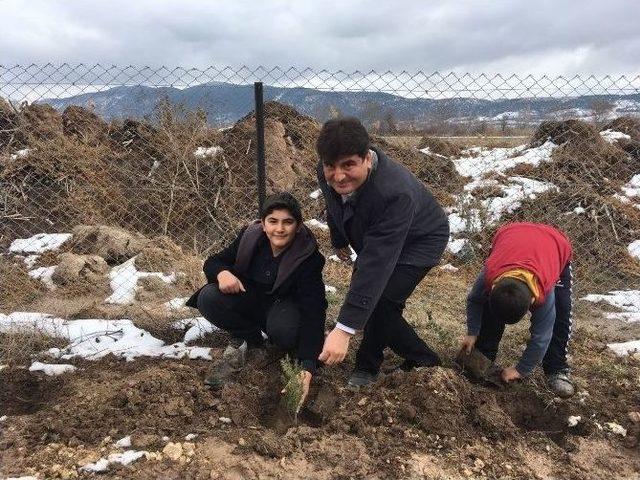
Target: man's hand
point(468, 341)
point(229, 283)
point(335, 347)
point(510, 374)
point(343, 254)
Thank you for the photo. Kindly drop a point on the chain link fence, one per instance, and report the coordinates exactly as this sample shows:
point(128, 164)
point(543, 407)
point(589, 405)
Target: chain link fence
point(116, 181)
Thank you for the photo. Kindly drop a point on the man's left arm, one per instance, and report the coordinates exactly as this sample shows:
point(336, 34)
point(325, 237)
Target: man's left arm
point(383, 242)
point(542, 320)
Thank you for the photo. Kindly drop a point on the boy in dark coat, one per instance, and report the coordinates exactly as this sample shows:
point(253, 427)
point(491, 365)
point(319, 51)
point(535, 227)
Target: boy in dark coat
point(269, 279)
point(529, 268)
point(399, 232)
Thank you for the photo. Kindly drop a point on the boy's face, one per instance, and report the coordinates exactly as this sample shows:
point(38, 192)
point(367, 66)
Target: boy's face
point(348, 173)
point(280, 227)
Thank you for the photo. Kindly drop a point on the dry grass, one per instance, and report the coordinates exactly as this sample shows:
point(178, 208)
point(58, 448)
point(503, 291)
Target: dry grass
point(17, 288)
point(19, 348)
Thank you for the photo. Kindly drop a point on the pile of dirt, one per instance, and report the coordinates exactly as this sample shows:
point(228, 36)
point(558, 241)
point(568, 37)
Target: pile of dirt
point(435, 171)
point(565, 131)
point(376, 431)
point(84, 125)
point(115, 245)
point(627, 125)
point(440, 146)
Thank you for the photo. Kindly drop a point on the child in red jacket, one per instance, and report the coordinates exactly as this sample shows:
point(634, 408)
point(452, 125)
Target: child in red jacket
point(529, 268)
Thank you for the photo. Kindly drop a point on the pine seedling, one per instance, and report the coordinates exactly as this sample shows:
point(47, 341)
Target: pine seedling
point(293, 388)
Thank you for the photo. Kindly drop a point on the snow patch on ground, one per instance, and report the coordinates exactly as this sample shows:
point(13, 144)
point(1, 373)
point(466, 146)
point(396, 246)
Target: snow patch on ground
point(316, 194)
point(95, 338)
point(124, 281)
point(634, 249)
point(44, 274)
point(314, 223)
point(40, 243)
point(51, 369)
point(626, 300)
point(197, 327)
point(612, 136)
point(203, 152)
point(448, 268)
point(177, 303)
point(454, 246)
point(124, 458)
point(483, 160)
point(625, 348)
point(330, 289)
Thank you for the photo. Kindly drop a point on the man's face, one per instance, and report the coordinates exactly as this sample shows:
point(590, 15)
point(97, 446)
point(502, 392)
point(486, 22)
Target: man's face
point(348, 173)
point(280, 228)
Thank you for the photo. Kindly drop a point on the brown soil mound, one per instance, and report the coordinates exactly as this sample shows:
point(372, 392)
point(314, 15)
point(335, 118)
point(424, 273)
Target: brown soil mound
point(439, 146)
point(41, 121)
point(289, 150)
point(583, 161)
point(437, 173)
point(160, 255)
point(113, 244)
point(377, 431)
point(10, 135)
point(83, 125)
point(626, 124)
point(560, 132)
point(88, 270)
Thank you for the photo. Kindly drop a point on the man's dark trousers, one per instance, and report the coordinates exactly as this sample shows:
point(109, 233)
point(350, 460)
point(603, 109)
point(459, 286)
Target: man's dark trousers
point(245, 315)
point(555, 360)
point(387, 328)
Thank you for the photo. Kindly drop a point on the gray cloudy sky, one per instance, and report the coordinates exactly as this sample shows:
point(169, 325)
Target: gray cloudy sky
point(510, 36)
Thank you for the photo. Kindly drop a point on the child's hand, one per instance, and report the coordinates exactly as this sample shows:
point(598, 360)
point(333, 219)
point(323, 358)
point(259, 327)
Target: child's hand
point(468, 342)
point(510, 374)
point(229, 283)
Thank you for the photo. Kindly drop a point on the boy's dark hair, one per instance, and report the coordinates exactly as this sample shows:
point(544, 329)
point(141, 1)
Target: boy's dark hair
point(509, 300)
point(281, 201)
point(342, 137)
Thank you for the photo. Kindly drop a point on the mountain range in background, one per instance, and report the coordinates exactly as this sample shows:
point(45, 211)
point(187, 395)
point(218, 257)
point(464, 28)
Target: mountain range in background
point(225, 103)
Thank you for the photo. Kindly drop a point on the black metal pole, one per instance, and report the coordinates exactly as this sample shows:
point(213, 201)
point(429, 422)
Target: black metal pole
point(260, 160)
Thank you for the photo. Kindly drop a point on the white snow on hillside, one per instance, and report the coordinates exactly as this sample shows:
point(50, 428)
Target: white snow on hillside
point(628, 301)
point(634, 249)
point(95, 338)
point(484, 160)
point(204, 152)
point(44, 274)
point(40, 243)
point(625, 348)
point(612, 136)
point(124, 281)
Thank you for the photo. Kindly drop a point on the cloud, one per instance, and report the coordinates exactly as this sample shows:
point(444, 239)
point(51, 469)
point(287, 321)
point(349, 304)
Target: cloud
point(554, 38)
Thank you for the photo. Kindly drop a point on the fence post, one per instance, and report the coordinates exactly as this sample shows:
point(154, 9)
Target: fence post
point(260, 159)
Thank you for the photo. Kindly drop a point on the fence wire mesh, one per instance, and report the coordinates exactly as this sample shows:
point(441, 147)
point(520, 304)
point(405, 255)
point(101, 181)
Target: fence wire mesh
point(116, 181)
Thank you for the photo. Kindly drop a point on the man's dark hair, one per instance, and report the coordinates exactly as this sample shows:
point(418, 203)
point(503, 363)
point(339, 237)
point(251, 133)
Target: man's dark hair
point(342, 137)
point(509, 300)
point(281, 201)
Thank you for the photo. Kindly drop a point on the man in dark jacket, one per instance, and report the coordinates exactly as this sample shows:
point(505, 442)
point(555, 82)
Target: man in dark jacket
point(529, 268)
point(268, 279)
point(399, 232)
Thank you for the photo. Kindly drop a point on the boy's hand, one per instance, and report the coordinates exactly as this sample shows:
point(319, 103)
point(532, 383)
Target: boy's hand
point(229, 283)
point(335, 347)
point(343, 254)
point(510, 374)
point(468, 341)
